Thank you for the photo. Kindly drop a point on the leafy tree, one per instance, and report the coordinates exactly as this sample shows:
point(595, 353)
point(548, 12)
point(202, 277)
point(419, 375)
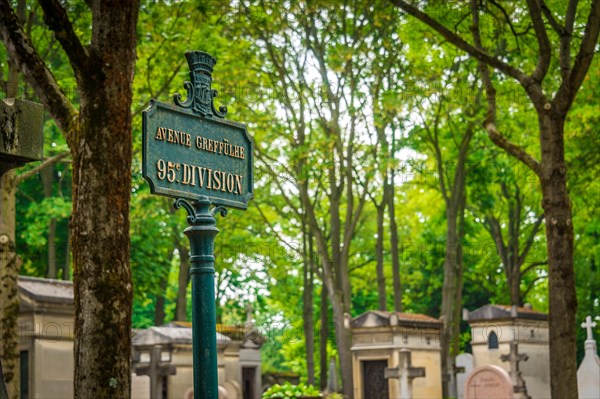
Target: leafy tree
point(575, 44)
point(10, 262)
point(99, 138)
point(327, 122)
point(506, 209)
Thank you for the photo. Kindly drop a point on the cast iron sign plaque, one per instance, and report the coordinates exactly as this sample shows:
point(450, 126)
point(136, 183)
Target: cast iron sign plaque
point(190, 151)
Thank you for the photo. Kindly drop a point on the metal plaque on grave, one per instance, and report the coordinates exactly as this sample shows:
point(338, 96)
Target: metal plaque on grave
point(190, 151)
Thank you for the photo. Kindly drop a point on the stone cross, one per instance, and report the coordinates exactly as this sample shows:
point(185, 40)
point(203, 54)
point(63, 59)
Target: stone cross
point(156, 369)
point(589, 324)
point(21, 133)
point(405, 373)
point(514, 358)
point(588, 374)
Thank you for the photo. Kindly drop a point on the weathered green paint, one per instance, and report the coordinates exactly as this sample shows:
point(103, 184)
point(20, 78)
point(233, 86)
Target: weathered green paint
point(189, 151)
point(201, 233)
point(21, 133)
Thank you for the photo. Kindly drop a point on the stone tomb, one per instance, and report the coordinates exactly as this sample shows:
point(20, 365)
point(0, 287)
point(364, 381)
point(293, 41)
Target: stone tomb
point(238, 360)
point(46, 333)
point(46, 328)
point(494, 330)
point(396, 355)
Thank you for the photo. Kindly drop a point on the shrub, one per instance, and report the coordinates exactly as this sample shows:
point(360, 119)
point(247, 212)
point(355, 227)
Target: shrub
point(289, 391)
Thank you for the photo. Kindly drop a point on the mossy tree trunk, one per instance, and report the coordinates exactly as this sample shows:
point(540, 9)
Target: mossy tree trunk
point(99, 138)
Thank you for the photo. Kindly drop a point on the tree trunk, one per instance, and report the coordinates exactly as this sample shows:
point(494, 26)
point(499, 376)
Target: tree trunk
point(100, 219)
point(344, 341)
point(515, 287)
point(559, 236)
point(394, 245)
point(47, 175)
point(3, 392)
point(379, 251)
point(10, 263)
point(66, 271)
point(183, 280)
point(307, 307)
point(9, 300)
point(159, 309)
point(448, 301)
point(323, 338)
point(99, 137)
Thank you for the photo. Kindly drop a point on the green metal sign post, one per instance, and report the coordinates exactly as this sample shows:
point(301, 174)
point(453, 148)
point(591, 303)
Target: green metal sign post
point(194, 155)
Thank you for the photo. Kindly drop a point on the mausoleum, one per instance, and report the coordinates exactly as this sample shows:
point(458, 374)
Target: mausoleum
point(238, 361)
point(162, 356)
point(495, 328)
point(46, 331)
point(396, 355)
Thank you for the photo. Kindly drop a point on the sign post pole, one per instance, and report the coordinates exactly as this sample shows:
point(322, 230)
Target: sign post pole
point(191, 153)
point(202, 233)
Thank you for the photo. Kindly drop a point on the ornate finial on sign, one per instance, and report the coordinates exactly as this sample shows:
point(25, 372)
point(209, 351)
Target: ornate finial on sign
point(200, 95)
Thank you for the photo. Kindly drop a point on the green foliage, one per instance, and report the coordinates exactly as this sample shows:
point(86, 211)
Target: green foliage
point(43, 211)
point(289, 391)
point(260, 253)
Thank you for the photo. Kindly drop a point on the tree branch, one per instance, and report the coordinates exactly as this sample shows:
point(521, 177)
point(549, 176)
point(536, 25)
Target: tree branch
point(550, 17)
point(36, 73)
point(459, 42)
point(569, 88)
point(533, 265)
point(530, 239)
point(544, 49)
point(490, 122)
point(512, 149)
point(565, 40)
point(274, 231)
point(49, 161)
point(493, 227)
point(531, 285)
point(55, 16)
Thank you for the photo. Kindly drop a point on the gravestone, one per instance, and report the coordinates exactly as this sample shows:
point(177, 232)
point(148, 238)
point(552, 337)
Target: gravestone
point(464, 365)
point(588, 374)
point(489, 382)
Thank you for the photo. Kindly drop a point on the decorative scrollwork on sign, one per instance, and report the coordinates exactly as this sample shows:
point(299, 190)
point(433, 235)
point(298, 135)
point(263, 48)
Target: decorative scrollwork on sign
point(181, 203)
point(189, 87)
point(200, 95)
point(219, 209)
